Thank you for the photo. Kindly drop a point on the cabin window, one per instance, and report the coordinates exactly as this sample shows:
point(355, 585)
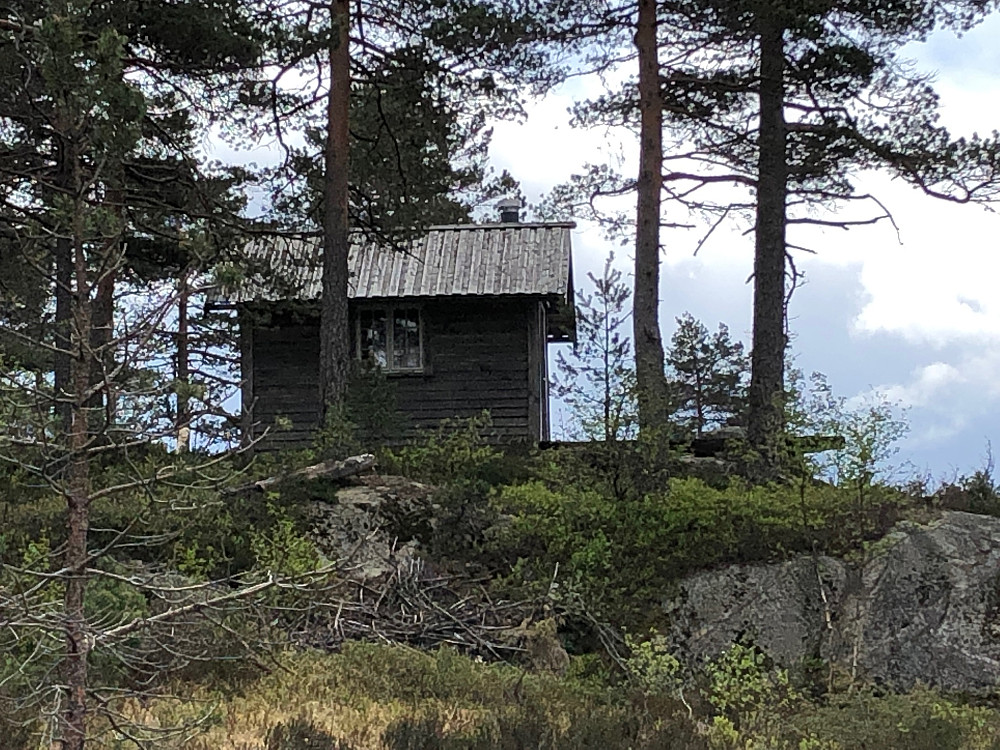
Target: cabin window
point(391, 338)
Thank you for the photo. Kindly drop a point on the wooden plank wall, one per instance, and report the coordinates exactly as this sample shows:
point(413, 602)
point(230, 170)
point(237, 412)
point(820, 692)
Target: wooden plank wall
point(286, 382)
point(476, 356)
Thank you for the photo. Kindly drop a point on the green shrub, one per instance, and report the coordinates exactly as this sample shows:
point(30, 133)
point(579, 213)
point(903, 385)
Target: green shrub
point(756, 706)
point(977, 493)
point(623, 554)
point(456, 452)
point(652, 665)
point(301, 734)
point(367, 418)
point(185, 524)
point(458, 459)
point(920, 720)
point(617, 469)
point(282, 549)
point(462, 521)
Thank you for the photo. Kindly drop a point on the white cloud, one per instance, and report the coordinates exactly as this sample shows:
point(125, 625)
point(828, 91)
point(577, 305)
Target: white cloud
point(925, 385)
point(940, 284)
point(946, 428)
point(544, 150)
point(946, 399)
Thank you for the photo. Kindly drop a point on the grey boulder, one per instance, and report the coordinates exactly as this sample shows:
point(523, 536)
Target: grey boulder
point(923, 607)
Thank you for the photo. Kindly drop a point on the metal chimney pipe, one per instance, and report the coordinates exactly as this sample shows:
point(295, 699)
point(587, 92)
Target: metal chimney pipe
point(510, 210)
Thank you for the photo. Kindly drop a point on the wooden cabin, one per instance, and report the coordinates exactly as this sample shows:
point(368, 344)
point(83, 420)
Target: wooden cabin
point(459, 321)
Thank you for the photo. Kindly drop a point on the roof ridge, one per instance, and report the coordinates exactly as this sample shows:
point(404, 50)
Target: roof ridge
point(508, 225)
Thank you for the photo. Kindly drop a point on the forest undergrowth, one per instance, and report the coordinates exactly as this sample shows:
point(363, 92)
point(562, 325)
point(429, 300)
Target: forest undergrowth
point(600, 533)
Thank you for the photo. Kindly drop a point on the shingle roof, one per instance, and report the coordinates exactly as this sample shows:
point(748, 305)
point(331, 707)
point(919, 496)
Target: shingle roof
point(453, 260)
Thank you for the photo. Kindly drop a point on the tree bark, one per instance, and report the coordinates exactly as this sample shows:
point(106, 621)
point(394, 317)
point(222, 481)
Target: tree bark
point(75, 563)
point(765, 421)
point(101, 354)
point(183, 428)
point(610, 431)
point(699, 399)
point(78, 500)
point(331, 470)
point(334, 336)
point(64, 282)
point(650, 380)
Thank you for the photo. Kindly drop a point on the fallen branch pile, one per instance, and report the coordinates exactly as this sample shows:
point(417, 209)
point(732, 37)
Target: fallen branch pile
point(412, 606)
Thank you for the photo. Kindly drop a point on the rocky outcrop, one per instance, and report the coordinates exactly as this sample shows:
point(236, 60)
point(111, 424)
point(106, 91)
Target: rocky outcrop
point(785, 608)
point(924, 607)
point(371, 523)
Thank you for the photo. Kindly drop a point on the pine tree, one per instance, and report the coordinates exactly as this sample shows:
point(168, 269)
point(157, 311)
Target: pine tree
point(789, 102)
point(652, 392)
point(707, 375)
point(597, 380)
point(334, 340)
point(98, 181)
point(826, 96)
point(612, 35)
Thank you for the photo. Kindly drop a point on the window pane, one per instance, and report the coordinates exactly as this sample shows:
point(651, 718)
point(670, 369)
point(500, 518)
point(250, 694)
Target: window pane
point(406, 339)
point(372, 340)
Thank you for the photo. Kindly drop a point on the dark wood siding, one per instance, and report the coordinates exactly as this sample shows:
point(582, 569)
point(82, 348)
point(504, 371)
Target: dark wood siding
point(484, 354)
point(476, 359)
point(286, 381)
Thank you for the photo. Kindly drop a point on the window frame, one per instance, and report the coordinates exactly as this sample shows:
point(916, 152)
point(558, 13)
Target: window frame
point(390, 351)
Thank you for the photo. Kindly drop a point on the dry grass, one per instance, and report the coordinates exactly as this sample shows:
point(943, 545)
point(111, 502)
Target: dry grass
point(355, 696)
point(371, 697)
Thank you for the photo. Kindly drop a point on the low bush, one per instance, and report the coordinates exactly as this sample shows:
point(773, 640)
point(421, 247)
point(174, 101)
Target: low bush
point(920, 720)
point(624, 553)
point(302, 734)
point(372, 697)
point(457, 452)
point(525, 727)
point(976, 493)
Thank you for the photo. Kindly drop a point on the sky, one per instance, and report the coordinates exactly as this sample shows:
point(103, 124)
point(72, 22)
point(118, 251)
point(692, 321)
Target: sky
point(913, 315)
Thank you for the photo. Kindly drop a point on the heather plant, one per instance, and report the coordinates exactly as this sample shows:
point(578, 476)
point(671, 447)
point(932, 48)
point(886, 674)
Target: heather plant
point(457, 452)
point(622, 554)
point(378, 697)
point(301, 734)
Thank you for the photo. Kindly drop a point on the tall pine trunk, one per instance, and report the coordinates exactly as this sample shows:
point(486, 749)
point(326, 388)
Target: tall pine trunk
point(650, 380)
point(75, 665)
point(765, 422)
point(77, 490)
point(182, 368)
point(64, 295)
point(334, 336)
point(101, 406)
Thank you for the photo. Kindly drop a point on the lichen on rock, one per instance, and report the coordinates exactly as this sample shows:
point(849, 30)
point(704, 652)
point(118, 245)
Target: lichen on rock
point(923, 607)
